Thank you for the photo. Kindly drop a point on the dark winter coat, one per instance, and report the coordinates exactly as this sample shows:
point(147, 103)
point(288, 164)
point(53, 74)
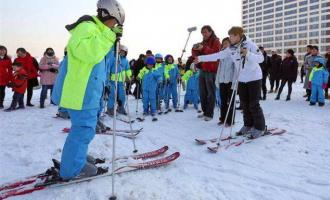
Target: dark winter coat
point(6, 71)
point(327, 65)
point(210, 46)
point(265, 65)
point(289, 69)
point(138, 65)
point(275, 67)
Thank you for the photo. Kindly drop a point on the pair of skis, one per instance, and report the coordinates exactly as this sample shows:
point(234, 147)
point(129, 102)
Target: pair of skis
point(122, 133)
point(237, 140)
point(125, 164)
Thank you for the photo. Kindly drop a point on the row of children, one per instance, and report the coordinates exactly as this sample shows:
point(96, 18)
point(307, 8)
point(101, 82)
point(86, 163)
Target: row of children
point(159, 78)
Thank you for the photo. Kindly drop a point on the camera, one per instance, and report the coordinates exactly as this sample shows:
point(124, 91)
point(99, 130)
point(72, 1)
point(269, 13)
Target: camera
point(195, 46)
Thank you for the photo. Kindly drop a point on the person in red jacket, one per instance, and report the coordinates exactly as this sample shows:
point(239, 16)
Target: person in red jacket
point(211, 44)
point(19, 85)
point(31, 66)
point(6, 71)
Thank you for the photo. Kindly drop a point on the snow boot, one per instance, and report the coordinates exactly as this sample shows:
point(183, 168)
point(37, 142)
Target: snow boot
point(121, 110)
point(255, 133)
point(321, 104)
point(277, 98)
point(110, 112)
point(207, 118)
point(288, 98)
point(200, 115)
point(243, 131)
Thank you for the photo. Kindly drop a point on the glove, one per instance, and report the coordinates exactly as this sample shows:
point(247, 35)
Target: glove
point(53, 70)
point(10, 85)
point(324, 86)
point(118, 30)
point(309, 84)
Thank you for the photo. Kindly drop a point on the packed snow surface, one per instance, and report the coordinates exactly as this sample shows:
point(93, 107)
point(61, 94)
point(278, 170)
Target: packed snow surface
point(295, 165)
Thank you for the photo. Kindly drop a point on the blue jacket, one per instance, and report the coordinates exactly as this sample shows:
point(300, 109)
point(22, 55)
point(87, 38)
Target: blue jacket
point(173, 73)
point(150, 80)
point(193, 82)
point(95, 85)
point(161, 70)
point(319, 76)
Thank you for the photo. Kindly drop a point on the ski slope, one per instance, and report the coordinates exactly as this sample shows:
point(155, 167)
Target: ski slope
point(293, 166)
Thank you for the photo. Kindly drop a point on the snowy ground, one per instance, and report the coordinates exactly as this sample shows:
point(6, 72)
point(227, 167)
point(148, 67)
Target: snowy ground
point(295, 165)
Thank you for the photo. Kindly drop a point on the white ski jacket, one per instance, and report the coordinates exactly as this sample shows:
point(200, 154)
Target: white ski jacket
point(251, 70)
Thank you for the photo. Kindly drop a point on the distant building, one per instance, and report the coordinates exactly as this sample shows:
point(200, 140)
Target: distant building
point(284, 24)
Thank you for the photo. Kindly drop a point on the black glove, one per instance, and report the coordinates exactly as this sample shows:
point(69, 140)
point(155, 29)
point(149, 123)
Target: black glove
point(53, 70)
point(10, 85)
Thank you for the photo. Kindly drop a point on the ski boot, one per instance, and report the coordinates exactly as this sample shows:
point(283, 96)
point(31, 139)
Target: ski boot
point(110, 112)
point(95, 161)
point(101, 127)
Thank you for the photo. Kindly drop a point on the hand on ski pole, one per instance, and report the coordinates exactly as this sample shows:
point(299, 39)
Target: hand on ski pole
point(196, 61)
point(118, 30)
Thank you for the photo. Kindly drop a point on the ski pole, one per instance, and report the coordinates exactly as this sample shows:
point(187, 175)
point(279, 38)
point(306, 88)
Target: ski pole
point(113, 196)
point(129, 116)
point(230, 103)
point(233, 113)
point(137, 96)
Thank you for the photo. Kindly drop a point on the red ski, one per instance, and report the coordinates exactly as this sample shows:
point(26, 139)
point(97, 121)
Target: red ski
point(36, 183)
point(121, 133)
point(146, 155)
point(270, 132)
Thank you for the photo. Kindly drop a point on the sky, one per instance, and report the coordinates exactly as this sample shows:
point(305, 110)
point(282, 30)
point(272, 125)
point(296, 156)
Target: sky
point(160, 26)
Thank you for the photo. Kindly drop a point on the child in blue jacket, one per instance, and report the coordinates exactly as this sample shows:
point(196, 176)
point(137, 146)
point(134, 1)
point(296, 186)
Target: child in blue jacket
point(191, 77)
point(172, 75)
point(318, 80)
point(160, 93)
point(150, 77)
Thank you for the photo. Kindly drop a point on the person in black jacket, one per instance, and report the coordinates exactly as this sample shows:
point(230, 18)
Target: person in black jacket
point(265, 65)
point(138, 65)
point(274, 71)
point(289, 72)
point(327, 66)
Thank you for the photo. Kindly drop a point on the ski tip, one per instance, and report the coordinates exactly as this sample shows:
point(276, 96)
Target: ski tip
point(200, 141)
point(174, 156)
point(166, 147)
point(213, 149)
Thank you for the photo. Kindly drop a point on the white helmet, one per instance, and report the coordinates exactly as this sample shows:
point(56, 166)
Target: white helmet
point(123, 48)
point(113, 8)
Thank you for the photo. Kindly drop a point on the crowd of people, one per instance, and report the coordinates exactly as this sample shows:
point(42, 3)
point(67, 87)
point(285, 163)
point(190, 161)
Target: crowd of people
point(82, 85)
point(23, 74)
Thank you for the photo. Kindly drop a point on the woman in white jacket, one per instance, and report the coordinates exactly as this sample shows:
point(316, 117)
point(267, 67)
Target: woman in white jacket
point(246, 56)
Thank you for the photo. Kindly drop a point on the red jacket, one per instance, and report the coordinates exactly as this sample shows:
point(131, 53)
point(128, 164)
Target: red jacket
point(210, 46)
point(30, 65)
point(6, 71)
point(19, 82)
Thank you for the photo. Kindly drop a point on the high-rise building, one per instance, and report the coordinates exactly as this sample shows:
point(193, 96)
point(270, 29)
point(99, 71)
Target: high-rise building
point(284, 24)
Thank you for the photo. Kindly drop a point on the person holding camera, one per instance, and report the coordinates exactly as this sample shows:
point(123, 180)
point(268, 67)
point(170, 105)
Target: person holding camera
point(211, 44)
point(48, 67)
point(247, 57)
point(31, 66)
